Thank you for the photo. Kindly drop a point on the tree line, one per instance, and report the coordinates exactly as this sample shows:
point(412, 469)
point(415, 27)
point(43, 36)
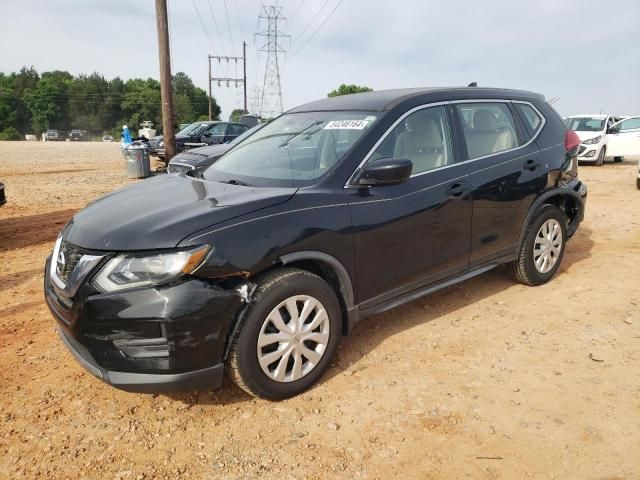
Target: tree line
point(32, 102)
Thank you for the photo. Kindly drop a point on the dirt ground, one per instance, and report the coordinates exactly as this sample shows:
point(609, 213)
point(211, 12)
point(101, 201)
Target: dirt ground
point(487, 379)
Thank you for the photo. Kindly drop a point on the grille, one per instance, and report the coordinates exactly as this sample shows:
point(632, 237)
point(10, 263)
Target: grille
point(67, 260)
point(175, 168)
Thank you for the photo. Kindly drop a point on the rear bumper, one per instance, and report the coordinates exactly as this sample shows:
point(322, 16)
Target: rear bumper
point(206, 378)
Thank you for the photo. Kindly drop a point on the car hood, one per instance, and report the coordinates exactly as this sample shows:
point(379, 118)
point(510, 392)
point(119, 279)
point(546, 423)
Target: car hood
point(588, 135)
point(202, 155)
point(161, 211)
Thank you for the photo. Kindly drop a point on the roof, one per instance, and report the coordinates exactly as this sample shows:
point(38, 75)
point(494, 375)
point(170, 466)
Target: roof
point(380, 100)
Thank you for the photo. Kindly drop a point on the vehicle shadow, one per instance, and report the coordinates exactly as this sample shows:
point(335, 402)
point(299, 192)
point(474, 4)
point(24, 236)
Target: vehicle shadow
point(374, 330)
point(20, 232)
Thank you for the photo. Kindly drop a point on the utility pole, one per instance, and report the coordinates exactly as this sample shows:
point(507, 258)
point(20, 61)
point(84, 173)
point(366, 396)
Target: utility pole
point(230, 80)
point(244, 76)
point(271, 86)
point(210, 113)
point(165, 80)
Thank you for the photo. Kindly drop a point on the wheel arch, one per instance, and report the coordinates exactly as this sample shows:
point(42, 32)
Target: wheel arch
point(331, 270)
point(566, 199)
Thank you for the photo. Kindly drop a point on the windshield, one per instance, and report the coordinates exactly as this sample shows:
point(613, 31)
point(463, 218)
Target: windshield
point(585, 124)
point(293, 150)
point(193, 129)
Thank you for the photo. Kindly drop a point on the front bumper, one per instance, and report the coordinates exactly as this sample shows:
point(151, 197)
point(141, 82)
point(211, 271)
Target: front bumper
point(589, 153)
point(154, 340)
point(206, 378)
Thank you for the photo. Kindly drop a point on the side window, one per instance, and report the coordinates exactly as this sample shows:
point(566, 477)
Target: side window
point(529, 115)
point(630, 124)
point(423, 137)
point(488, 128)
point(217, 129)
point(235, 129)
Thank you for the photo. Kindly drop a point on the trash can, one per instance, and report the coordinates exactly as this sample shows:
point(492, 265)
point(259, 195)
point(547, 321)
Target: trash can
point(137, 161)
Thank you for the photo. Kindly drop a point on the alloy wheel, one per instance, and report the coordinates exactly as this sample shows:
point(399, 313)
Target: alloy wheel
point(293, 338)
point(547, 246)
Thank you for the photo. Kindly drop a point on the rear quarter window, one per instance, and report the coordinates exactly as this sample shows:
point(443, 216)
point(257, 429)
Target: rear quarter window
point(529, 116)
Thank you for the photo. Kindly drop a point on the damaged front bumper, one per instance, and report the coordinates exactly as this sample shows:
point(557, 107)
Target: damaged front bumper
point(153, 340)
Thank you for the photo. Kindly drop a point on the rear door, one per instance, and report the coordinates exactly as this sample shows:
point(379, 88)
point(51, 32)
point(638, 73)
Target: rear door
point(418, 232)
point(506, 172)
point(625, 142)
point(234, 130)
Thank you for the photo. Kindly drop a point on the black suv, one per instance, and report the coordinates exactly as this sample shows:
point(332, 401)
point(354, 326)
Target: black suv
point(336, 210)
point(199, 134)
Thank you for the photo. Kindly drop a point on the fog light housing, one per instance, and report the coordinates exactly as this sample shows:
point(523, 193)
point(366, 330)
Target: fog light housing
point(590, 153)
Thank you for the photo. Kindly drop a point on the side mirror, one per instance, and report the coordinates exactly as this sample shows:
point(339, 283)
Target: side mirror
point(386, 171)
point(614, 129)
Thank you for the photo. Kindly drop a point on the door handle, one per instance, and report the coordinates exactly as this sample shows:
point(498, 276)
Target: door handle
point(531, 165)
point(458, 189)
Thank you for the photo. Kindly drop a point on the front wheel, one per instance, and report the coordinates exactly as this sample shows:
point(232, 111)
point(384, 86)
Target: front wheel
point(542, 249)
point(289, 334)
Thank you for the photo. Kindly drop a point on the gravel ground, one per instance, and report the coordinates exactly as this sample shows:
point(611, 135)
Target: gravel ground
point(487, 379)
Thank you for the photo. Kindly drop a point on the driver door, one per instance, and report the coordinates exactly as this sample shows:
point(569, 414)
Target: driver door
point(215, 134)
point(624, 140)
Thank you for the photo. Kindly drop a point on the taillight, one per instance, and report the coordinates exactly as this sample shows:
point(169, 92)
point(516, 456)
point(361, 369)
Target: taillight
point(571, 141)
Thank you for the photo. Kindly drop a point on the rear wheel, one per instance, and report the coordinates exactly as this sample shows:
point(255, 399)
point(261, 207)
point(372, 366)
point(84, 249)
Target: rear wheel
point(618, 159)
point(638, 183)
point(542, 249)
point(289, 335)
point(603, 153)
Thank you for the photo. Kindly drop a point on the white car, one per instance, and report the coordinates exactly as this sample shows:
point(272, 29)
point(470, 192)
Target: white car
point(623, 140)
point(592, 130)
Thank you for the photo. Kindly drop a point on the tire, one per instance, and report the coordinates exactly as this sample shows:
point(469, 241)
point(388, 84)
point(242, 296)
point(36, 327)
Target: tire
point(638, 183)
point(525, 269)
point(256, 375)
point(601, 156)
point(618, 159)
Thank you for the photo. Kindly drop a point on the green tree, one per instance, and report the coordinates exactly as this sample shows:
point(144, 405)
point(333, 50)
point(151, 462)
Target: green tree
point(10, 133)
point(43, 102)
point(345, 89)
point(25, 80)
point(236, 114)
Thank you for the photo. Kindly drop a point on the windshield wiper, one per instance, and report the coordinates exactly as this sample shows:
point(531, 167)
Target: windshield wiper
point(233, 181)
point(301, 132)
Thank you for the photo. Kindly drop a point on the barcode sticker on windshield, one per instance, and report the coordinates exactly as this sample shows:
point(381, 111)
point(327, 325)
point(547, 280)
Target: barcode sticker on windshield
point(346, 125)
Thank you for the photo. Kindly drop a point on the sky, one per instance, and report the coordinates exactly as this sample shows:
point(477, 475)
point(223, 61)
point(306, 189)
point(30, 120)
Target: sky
point(585, 52)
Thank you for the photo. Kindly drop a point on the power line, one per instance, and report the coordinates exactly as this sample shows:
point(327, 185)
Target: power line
point(202, 25)
point(297, 10)
point(215, 24)
point(226, 12)
point(300, 35)
point(317, 29)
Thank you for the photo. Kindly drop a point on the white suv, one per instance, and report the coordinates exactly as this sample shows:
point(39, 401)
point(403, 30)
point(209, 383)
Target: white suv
point(592, 130)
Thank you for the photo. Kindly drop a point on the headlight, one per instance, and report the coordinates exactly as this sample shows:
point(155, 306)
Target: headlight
point(161, 144)
point(593, 141)
point(131, 270)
